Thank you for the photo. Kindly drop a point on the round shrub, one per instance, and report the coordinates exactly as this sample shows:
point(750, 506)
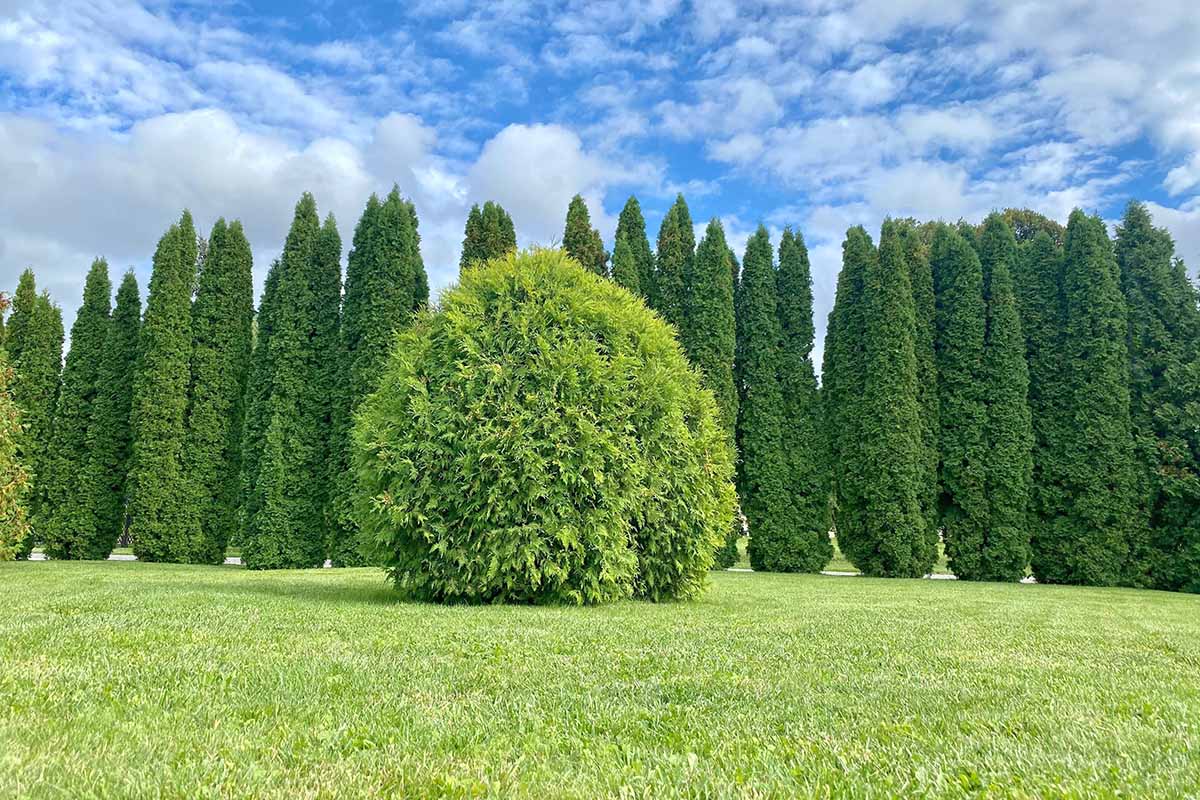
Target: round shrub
point(542, 438)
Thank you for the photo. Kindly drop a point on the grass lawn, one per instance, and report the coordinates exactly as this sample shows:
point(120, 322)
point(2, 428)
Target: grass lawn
point(121, 679)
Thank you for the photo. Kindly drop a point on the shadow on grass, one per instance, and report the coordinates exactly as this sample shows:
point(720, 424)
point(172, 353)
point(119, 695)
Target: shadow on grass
point(324, 592)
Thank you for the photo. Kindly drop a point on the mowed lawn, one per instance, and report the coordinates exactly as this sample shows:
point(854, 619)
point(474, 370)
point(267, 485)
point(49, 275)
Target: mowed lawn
point(122, 679)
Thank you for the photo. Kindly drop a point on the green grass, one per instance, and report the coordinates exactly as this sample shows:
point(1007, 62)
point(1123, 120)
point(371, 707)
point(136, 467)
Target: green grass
point(131, 680)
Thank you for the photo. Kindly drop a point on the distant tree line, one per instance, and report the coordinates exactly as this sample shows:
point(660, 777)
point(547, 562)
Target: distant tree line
point(1022, 393)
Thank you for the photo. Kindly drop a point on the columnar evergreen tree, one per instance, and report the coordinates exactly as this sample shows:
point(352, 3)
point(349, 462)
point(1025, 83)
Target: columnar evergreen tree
point(257, 403)
point(163, 520)
point(806, 473)
point(632, 225)
point(844, 380)
point(762, 468)
point(66, 514)
point(624, 265)
point(221, 342)
point(380, 296)
point(916, 256)
point(110, 442)
point(709, 333)
point(961, 329)
point(287, 524)
point(489, 234)
point(35, 391)
point(581, 241)
point(1008, 432)
point(23, 302)
point(893, 542)
point(1085, 537)
point(420, 295)
point(1164, 356)
point(14, 480)
point(676, 249)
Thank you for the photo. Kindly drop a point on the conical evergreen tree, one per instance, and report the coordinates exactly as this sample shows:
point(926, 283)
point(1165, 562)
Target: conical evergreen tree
point(1164, 357)
point(489, 234)
point(1008, 433)
point(961, 328)
point(632, 225)
point(14, 480)
point(221, 341)
point(287, 524)
point(1085, 536)
point(916, 257)
point(472, 247)
point(844, 380)
point(581, 241)
point(65, 526)
point(806, 476)
point(624, 265)
point(420, 293)
point(380, 296)
point(257, 404)
point(163, 520)
point(23, 302)
point(762, 468)
point(893, 541)
point(676, 249)
point(709, 332)
point(109, 441)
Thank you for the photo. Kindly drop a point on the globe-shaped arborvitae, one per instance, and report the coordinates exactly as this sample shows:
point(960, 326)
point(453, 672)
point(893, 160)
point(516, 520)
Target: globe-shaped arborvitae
point(541, 438)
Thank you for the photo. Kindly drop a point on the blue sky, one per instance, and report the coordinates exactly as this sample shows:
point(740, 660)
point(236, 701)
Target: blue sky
point(115, 114)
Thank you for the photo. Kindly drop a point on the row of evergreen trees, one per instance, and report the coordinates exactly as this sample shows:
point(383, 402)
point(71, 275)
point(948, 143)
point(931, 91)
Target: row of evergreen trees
point(1023, 393)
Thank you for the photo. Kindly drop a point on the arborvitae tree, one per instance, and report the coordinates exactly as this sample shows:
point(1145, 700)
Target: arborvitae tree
point(762, 468)
point(23, 302)
point(489, 234)
point(709, 332)
point(624, 265)
point(110, 441)
point(1085, 536)
point(288, 523)
point(14, 480)
point(379, 300)
point(806, 476)
point(632, 225)
point(916, 256)
point(35, 390)
point(65, 527)
point(164, 522)
point(581, 241)
point(1008, 433)
point(844, 380)
point(257, 403)
point(221, 341)
point(676, 249)
point(894, 542)
point(420, 295)
point(1164, 357)
point(961, 328)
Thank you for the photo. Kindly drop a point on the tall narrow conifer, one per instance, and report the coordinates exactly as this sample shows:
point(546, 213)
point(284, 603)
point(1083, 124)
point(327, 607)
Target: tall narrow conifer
point(632, 225)
point(581, 241)
point(624, 265)
point(676, 249)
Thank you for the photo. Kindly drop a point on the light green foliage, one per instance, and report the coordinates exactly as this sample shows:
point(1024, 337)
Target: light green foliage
point(1164, 337)
point(806, 468)
point(24, 300)
point(287, 523)
point(773, 686)
point(581, 241)
point(962, 399)
point(379, 300)
point(221, 342)
point(163, 519)
point(1085, 535)
point(542, 439)
point(632, 226)
point(65, 525)
point(676, 249)
point(110, 437)
point(893, 538)
point(14, 480)
point(489, 234)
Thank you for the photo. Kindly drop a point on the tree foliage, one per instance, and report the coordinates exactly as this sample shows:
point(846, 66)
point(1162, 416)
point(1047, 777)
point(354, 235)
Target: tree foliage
point(542, 439)
point(66, 525)
point(676, 249)
point(489, 234)
point(632, 226)
point(709, 333)
point(222, 316)
point(164, 523)
point(624, 265)
point(14, 480)
point(581, 241)
point(110, 437)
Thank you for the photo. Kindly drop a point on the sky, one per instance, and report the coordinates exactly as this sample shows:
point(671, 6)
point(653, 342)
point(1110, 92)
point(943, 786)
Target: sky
point(117, 114)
